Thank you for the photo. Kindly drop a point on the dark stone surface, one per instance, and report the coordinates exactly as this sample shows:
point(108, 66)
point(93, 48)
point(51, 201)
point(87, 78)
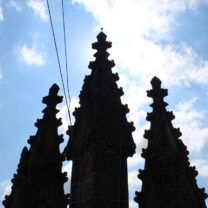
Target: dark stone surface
point(39, 179)
point(168, 180)
point(101, 138)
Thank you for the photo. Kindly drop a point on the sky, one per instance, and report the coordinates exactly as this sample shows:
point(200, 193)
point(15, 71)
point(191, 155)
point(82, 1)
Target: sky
point(162, 38)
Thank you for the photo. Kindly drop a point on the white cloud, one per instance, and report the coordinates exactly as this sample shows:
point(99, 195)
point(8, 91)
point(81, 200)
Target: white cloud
point(67, 168)
point(136, 161)
point(134, 182)
point(142, 16)
point(190, 121)
point(135, 97)
point(136, 27)
point(1, 14)
point(175, 65)
point(30, 55)
point(17, 6)
point(6, 188)
point(64, 113)
point(39, 8)
point(201, 166)
point(133, 204)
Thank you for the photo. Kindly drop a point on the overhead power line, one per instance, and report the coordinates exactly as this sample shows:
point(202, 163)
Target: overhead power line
point(65, 49)
point(58, 59)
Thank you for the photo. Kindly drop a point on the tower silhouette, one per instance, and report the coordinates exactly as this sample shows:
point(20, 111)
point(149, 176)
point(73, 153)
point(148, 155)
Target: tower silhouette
point(101, 139)
point(39, 179)
point(100, 143)
point(168, 180)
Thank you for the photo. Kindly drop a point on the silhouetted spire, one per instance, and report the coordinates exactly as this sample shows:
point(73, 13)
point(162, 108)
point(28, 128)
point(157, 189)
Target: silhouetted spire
point(101, 138)
point(101, 112)
point(168, 180)
point(18, 183)
point(39, 179)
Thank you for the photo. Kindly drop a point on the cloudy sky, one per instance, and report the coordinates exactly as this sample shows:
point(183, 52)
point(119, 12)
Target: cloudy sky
point(160, 37)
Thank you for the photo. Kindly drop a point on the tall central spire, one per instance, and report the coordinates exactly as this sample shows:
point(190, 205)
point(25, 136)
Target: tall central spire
point(100, 140)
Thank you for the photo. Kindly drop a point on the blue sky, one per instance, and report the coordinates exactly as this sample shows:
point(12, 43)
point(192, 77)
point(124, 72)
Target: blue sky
point(162, 37)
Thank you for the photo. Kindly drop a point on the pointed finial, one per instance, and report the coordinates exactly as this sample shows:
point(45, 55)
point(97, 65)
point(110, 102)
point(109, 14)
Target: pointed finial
point(53, 97)
point(101, 28)
point(101, 37)
point(54, 89)
point(156, 83)
point(157, 94)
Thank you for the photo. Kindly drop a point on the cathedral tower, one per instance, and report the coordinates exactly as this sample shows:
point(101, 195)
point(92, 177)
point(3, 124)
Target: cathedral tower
point(168, 180)
point(39, 179)
point(101, 138)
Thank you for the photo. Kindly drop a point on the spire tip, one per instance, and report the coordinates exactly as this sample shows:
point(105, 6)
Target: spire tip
point(156, 83)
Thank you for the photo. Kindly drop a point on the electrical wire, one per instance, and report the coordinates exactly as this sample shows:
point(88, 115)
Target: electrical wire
point(65, 49)
point(59, 64)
